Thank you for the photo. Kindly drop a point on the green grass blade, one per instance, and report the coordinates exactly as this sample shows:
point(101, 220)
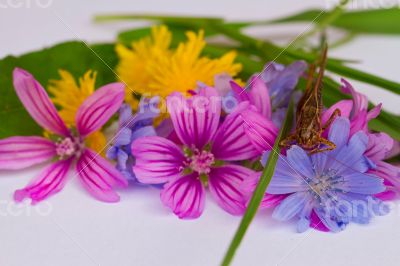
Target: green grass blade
point(375, 21)
point(259, 192)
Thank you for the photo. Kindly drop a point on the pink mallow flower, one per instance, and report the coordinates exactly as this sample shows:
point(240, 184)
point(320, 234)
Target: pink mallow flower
point(97, 175)
point(204, 154)
point(380, 145)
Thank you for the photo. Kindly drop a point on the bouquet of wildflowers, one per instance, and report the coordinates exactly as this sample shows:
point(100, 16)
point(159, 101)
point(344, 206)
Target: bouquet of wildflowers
point(162, 107)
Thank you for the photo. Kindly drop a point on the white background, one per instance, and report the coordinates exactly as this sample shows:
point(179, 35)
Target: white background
point(73, 229)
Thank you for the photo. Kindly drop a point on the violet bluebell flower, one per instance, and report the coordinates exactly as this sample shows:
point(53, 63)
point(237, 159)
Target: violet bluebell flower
point(281, 81)
point(327, 190)
point(132, 127)
point(271, 90)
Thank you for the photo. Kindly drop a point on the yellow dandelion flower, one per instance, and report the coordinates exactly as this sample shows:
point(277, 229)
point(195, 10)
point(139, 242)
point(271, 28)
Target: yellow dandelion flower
point(68, 96)
point(160, 71)
point(133, 64)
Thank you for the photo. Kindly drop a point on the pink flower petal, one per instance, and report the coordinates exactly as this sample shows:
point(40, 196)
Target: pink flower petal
point(50, 181)
point(96, 110)
point(231, 142)
point(316, 223)
point(379, 145)
point(185, 196)
point(240, 93)
point(387, 195)
point(37, 102)
point(345, 107)
point(99, 177)
point(195, 119)
point(359, 123)
point(271, 201)
point(22, 152)
point(374, 112)
point(388, 172)
point(360, 100)
point(226, 187)
point(260, 97)
point(261, 131)
point(158, 160)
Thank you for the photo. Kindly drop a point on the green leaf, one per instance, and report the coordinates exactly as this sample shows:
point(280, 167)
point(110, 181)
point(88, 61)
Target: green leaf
point(376, 21)
point(259, 192)
point(74, 57)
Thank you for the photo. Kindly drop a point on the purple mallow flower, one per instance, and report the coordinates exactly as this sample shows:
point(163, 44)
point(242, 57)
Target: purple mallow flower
point(203, 155)
point(326, 190)
point(97, 175)
point(132, 127)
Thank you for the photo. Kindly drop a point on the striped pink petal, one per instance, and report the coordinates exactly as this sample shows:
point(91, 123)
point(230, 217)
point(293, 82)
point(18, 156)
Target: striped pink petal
point(99, 177)
point(240, 93)
point(261, 131)
point(37, 102)
point(260, 97)
point(50, 181)
point(195, 119)
point(158, 160)
point(96, 110)
point(231, 142)
point(226, 187)
point(22, 152)
point(185, 196)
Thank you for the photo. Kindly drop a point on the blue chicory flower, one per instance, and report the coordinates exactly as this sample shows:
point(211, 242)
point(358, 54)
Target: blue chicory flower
point(332, 185)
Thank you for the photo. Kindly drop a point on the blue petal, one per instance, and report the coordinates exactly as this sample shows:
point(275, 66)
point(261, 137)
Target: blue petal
point(282, 80)
point(125, 114)
point(339, 132)
point(300, 162)
point(112, 153)
point(143, 132)
point(285, 180)
point(362, 184)
point(326, 219)
point(304, 222)
point(122, 159)
point(320, 161)
point(291, 206)
point(264, 157)
point(123, 137)
point(350, 157)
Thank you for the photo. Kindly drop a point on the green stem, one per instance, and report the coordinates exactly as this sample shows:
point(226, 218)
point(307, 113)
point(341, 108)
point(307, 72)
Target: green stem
point(259, 192)
point(271, 51)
